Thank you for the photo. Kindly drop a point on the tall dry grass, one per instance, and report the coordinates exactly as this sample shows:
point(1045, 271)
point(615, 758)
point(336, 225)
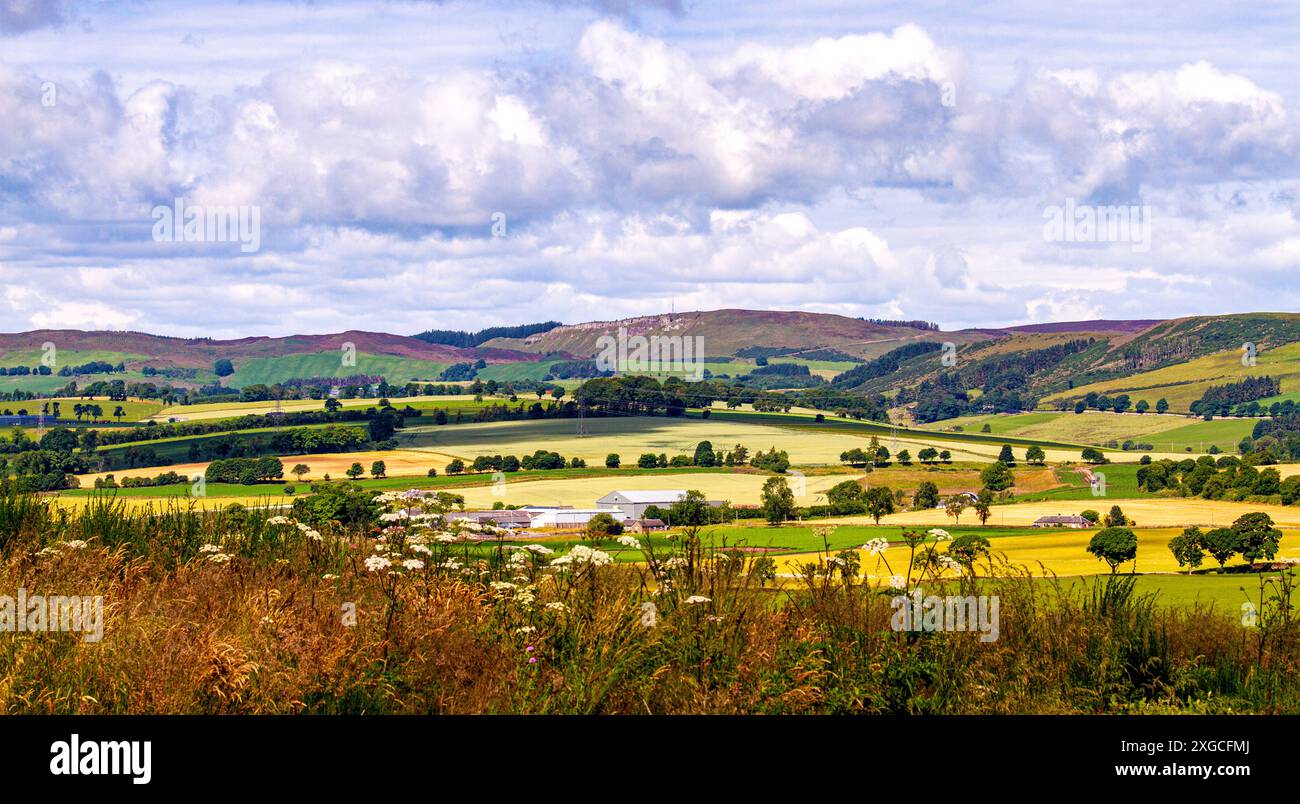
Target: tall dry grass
point(241, 612)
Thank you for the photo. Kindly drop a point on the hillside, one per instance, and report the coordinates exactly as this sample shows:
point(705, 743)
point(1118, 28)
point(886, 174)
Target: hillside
point(1035, 365)
point(1064, 361)
point(727, 332)
point(188, 362)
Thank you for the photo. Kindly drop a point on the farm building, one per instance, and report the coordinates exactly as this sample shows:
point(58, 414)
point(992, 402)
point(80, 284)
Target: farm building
point(23, 421)
point(503, 518)
point(1059, 521)
point(644, 525)
point(567, 517)
point(632, 504)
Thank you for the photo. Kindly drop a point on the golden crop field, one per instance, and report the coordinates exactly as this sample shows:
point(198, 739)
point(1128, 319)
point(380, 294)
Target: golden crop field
point(398, 463)
point(740, 489)
point(1089, 427)
point(227, 410)
point(631, 436)
point(269, 496)
point(1057, 553)
point(1149, 512)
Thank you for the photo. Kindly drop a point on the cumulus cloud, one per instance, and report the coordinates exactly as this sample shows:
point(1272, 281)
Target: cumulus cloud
point(635, 173)
point(19, 16)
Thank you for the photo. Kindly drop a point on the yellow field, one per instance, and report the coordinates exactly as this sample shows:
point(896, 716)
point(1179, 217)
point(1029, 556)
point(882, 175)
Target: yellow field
point(1089, 427)
point(226, 410)
point(583, 493)
point(272, 498)
point(400, 463)
point(1059, 553)
point(631, 436)
point(1157, 512)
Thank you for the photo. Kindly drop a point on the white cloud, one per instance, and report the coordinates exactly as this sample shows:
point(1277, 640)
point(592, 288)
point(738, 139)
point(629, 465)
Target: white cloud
point(635, 171)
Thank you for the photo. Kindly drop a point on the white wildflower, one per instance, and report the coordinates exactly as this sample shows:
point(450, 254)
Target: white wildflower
point(876, 546)
point(377, 563)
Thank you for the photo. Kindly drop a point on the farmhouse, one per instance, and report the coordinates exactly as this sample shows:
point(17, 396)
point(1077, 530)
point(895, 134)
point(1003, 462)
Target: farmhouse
point(644, 525)
point(1059, 521)
point(632, 504)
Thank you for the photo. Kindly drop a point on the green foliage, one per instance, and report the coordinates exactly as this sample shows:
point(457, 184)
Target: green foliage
point(997, 476)
point(777, 500)
point(1187, 548)
point(878, 502)
point(1257, 538)
point(342, 504)
point(1114, 545)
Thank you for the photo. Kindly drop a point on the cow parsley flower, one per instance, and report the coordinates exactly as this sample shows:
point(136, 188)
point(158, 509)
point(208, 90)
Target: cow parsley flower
point(377, 563)
point(695, 600)
point(876, 546)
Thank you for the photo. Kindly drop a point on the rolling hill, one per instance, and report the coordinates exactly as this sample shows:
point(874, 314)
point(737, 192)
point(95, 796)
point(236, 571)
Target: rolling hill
point(1037, 365)
point(188, 362)
point(725, 333)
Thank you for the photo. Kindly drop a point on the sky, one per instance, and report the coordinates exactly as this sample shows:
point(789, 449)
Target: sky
point(402, 166)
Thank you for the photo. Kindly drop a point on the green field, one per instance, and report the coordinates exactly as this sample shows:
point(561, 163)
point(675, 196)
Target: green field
point(1166, 433)
point(68, 357)
point(270, 370)
point(1121, 482)
point(514, 372)
point(38, 384)
point(1224, 592)
point(827, 369)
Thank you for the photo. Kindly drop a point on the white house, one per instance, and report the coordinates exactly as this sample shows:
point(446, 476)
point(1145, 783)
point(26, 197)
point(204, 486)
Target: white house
point(1059, 521)
point(632, 504)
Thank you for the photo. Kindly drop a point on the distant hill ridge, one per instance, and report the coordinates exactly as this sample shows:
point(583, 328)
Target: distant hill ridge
point(1118, 348)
